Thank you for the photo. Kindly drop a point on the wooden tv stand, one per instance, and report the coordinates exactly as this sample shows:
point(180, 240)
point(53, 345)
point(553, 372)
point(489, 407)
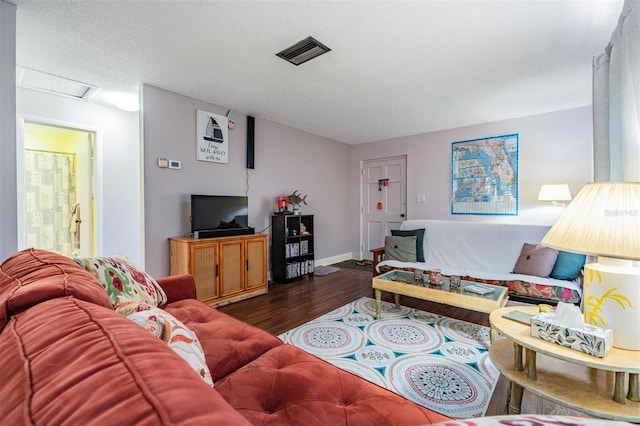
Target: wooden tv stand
point(225, 269)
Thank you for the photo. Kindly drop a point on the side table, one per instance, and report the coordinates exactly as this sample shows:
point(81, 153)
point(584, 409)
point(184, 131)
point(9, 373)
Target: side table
point(593, 385)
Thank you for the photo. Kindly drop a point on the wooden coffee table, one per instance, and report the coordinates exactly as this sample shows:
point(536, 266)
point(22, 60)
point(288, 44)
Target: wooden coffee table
point(402, 283)
point(596, 386)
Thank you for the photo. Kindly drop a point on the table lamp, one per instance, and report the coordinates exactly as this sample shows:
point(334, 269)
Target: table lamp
point(555, 193)
point(604, 220)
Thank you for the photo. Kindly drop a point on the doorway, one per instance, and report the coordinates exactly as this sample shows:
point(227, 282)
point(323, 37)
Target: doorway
point(384, 200)
point(58, 189)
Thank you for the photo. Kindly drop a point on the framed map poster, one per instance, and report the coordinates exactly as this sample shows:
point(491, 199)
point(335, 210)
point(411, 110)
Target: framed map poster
point(212, 138)
point(484, 176)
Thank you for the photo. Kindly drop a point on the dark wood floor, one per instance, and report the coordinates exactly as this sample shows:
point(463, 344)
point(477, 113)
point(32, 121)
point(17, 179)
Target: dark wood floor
point(287, 306)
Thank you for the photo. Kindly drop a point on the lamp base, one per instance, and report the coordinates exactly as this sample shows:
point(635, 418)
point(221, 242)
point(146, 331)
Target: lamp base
point(612, 300)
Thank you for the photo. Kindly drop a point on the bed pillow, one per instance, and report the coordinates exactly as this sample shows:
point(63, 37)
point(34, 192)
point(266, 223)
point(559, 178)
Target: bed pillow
point(419, 234)
point(535, 260)
point(568, 265)
point(400, 248)
point(120, 278)
point(170, 330)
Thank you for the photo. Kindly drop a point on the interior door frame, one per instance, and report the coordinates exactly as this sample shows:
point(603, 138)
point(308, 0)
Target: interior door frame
point(362, 195)
point(21, 119)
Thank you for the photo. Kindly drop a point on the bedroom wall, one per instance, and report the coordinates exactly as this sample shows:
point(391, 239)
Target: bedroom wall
point(553, 148)
point(286, 159)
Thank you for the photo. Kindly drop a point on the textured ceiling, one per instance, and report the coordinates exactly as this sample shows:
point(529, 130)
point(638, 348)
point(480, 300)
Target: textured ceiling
point(396, 68)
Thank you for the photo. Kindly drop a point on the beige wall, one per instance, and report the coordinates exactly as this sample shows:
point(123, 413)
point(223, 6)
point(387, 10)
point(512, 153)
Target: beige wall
point(553, 148)
point(118, 185)
point(8, 194)
point(286, 160)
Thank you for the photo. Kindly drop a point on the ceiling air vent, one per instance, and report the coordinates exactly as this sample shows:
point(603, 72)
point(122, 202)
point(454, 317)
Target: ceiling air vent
point(303, 51)
point(38, 80)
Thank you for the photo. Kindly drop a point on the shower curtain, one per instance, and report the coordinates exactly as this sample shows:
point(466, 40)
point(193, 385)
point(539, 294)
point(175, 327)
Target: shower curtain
point(50, 195)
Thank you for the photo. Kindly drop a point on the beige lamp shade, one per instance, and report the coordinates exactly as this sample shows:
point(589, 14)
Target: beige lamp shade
point(602, 220)
point(555, 192)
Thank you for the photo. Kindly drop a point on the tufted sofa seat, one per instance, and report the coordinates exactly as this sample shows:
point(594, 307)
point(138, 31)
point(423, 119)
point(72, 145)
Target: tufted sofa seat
point(69, 358)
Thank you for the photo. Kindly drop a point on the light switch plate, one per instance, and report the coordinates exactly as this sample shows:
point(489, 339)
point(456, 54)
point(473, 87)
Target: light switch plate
point(163, 163)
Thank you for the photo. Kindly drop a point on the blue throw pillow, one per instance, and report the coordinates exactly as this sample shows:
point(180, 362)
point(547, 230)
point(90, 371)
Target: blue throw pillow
point(568, 265)
point(419, 234)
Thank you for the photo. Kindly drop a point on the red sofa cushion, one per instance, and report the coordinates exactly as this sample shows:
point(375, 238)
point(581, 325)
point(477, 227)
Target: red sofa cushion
point(33, 276)
point(228, 343)
point(287, 386)
point(67, 361)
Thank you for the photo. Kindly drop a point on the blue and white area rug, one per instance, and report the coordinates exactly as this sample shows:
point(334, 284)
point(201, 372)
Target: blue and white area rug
point(438, 362)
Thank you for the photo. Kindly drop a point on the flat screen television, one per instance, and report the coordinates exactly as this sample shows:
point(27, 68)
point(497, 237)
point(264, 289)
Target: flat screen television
point(219, 215)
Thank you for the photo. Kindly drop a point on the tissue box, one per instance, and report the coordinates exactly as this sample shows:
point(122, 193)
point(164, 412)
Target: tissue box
point(589, 339)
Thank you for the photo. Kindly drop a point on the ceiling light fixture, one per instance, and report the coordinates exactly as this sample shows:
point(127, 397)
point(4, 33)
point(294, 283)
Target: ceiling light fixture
point(51, 83)
point(303, 51)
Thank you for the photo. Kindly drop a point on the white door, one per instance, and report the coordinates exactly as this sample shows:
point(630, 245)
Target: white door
point(384, 201)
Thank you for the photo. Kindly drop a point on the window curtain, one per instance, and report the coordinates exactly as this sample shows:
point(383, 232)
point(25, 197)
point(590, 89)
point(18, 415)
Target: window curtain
point(50, 195)
point(616, 102)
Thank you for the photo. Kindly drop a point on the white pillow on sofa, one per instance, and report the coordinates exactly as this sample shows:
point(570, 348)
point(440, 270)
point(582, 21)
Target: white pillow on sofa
point(170, 330)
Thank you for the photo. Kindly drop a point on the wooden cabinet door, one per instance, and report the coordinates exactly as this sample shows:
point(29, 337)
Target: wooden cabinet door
point(225, 269)
point(232, 267)
point(256, 262)
point(204, 263)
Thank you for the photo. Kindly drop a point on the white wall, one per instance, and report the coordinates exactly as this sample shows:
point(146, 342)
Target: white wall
point(286, 159)
point(553, 148)
point(8, 216)
point(118, 200)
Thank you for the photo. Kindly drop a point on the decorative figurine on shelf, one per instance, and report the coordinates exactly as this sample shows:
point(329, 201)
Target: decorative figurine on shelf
point(303, 229)
point(296, 200)
point(283, 205)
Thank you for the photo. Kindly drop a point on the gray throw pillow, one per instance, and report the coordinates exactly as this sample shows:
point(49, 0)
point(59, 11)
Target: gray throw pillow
point(400, 248)
point(536, 260)
point(419, 233)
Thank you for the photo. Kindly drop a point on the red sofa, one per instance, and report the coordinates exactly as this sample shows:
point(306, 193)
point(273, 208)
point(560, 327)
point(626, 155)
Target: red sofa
point(69, 358)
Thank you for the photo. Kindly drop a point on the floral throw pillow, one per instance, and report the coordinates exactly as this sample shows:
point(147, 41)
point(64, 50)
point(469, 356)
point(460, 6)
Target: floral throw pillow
point(121, 278)
point(170, 330)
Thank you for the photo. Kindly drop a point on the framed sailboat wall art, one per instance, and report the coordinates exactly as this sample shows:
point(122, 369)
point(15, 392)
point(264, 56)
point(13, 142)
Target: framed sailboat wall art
point(212, 137)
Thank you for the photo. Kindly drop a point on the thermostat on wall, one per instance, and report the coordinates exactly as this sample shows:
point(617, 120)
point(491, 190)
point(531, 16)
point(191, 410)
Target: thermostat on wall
point(175, 164)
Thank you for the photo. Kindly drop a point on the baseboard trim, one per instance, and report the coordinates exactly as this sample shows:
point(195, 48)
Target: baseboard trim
point(336, 259)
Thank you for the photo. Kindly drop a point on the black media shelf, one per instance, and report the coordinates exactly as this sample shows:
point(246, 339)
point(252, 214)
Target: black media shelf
point(291, 247)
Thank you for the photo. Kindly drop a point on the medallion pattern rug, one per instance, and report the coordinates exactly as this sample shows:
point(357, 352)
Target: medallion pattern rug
point(435, 361)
